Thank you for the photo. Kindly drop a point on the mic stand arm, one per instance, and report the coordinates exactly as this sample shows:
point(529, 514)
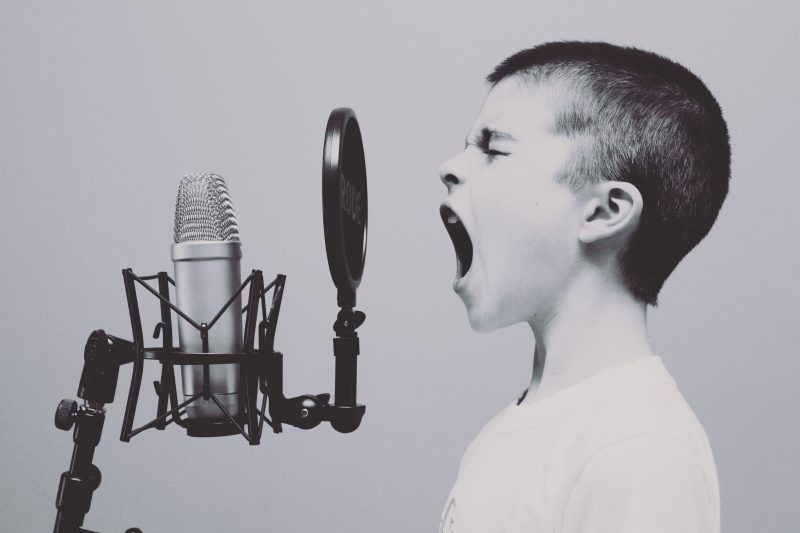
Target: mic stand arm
point(308, 411)
point(345, 415)
point(103, 356)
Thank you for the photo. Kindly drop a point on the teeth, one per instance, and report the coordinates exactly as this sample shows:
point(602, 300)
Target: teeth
point(452, 219)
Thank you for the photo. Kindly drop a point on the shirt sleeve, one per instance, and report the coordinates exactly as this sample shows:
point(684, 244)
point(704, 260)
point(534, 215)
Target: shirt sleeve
point(647, 483)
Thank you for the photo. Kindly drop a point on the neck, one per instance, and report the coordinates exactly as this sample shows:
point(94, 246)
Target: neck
point(590, 331)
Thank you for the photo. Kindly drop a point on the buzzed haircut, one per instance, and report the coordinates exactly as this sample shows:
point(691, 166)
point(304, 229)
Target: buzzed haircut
point(641, 118)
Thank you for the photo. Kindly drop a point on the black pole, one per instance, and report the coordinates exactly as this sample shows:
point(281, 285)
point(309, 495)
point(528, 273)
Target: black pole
point(77, 484)
point(346, 413)
point(166, 388)
point(138, 361)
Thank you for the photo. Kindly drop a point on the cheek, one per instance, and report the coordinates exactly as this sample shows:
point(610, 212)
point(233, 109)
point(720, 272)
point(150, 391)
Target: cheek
point(528, 235)
point(500, 207)
point(554, 225)
point(515, 208)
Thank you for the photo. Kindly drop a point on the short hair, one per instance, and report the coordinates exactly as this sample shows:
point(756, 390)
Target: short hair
point(641, 118)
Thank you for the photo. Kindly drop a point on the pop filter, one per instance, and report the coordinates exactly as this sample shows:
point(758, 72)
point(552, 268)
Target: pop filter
point(344, 203)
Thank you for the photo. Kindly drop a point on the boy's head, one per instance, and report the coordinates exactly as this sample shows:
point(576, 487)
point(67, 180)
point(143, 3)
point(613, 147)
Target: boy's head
point(584, 155)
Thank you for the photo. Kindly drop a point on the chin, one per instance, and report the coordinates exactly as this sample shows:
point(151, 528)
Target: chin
point(482, 327)
point(484, 321)
point(488, 319)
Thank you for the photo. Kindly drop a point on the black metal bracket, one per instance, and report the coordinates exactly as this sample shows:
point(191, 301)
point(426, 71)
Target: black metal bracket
point(262, 372)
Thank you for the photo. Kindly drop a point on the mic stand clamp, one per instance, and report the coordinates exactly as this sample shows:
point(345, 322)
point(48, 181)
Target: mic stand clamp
point(345, 415)
point(103, 356)
point(308, 411)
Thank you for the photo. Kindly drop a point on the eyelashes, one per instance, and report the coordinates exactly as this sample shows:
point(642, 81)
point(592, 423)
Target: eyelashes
point(482, 143)
point(492, 154)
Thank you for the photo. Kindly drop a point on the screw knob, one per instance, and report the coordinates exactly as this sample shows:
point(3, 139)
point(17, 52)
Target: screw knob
point(65, 414)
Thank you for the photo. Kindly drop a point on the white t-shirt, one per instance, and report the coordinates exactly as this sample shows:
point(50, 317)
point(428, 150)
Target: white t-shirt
point(620, 452)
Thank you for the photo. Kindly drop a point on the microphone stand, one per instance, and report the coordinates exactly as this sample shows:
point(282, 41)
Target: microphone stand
point(262, 370)
point(103, 356)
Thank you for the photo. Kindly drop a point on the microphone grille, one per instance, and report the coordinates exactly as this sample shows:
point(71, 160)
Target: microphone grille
point(203, 210)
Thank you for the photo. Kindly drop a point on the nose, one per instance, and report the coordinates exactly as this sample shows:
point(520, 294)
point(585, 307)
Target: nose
point(452, 172)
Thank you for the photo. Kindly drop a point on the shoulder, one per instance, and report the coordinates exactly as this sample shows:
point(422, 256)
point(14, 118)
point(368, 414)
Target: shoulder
point(479, 440)
point(647, 482)
point(645, 400)
point(636, 460)
point(640, 444)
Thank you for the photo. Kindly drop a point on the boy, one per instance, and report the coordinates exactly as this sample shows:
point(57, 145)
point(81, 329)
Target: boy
point(590, 172)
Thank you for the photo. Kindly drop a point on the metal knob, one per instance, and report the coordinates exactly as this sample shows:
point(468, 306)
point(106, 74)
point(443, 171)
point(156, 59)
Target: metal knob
point(65, 414)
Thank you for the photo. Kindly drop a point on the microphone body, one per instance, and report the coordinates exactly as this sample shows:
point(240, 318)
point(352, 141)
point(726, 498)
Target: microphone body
point(207, 256)
point(207, 273)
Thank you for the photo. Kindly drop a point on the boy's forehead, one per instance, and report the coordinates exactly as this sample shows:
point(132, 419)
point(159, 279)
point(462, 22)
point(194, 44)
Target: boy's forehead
point(517, 108)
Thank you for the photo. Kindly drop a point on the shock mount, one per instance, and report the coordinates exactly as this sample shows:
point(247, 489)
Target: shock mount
point(262, 375)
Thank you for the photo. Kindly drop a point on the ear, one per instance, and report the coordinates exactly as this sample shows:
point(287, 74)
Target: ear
point(612, 210)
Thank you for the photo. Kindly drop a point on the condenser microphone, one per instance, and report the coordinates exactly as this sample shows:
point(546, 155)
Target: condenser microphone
point(207, 255)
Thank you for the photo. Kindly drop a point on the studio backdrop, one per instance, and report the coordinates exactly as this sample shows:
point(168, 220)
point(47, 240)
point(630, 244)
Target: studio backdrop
point(106, 105)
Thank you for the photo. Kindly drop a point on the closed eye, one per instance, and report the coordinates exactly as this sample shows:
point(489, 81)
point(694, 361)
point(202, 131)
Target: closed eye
point(493, 153)
point(483, 138)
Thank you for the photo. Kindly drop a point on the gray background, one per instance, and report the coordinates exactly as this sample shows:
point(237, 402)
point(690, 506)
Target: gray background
point(104, 105)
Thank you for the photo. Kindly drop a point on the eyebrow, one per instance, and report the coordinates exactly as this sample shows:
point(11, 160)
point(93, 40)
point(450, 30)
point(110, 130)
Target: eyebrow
point(485, 136)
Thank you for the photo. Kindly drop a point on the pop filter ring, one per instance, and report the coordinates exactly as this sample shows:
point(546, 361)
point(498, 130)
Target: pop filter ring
point(344, 203)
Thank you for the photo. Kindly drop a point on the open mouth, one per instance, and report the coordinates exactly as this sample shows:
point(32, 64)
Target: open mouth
point(460, 237)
